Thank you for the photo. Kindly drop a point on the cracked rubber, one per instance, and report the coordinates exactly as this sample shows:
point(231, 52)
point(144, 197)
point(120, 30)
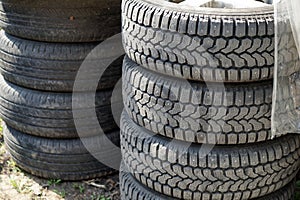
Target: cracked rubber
point(206, 44)
point(60, 159)
point(61, 20)
point(50, 115)
point(189, 171)
point(50, 66)
point(197, 112)
point(131, 189)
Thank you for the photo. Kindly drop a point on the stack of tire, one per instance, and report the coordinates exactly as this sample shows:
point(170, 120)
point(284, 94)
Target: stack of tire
point(197, 90)
point(42, 46)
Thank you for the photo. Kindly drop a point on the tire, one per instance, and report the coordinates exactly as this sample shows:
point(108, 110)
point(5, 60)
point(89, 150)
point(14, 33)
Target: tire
point(288, 56)
point(50, 115)
point(50, 66)
point(287, 52)
point(59, 159)
point(197, 112)
point(235, 45)
point(190, 171)
point(131, 189)
point(61, 21)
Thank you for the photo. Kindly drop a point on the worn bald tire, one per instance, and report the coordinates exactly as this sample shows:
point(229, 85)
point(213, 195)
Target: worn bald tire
point(188, 171)
point(60, 159)
point(197, 112)
point(131, 189)
point(61, 20)
point(51, 66)
point(200, 43)
point(50, 115)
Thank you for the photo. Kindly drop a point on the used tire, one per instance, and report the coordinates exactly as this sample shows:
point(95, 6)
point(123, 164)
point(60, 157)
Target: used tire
point(197, 112)
point(59, 159)
point(61, 20)
point(189, 171)
point(198, 43)
point(50, 66)
point(49, 114)
point(131, 189)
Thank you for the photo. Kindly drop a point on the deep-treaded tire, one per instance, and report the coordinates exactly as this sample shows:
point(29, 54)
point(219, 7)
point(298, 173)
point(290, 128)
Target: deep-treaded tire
point(50, 66)
point(198, 43)
point(59, 159)
point(50, 115)
point(61, 20)
point(131, 189)
point(189, 171)
point(197, 112)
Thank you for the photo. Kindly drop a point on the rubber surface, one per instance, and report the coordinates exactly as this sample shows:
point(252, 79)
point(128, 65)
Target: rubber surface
point(51, 66)
point(50, 115)
point(61, 20)
point(190, 171)
point(197, 112)
point(59, 159)
point(131, 189)
point(211, 44)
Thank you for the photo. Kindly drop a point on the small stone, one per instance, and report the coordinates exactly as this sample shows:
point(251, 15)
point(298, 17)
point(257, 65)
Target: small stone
point(36, 190)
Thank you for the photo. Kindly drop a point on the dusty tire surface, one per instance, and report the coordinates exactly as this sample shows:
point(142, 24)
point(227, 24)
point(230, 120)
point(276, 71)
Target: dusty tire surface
point(50, 66)
point(50, 115)
point(210, 44)
point(58, 159)
point(189, 171)
point(131, 189)
point(197, 112)
point(61, 20)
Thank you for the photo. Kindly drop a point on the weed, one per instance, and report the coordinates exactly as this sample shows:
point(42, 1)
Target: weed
point(61, 193)
point(54, 182)
point(99, 197)
point(15, 185)
point(104, 198)
point(79, 187)
point(1, 128)
point(13, 166)
point(21, 186)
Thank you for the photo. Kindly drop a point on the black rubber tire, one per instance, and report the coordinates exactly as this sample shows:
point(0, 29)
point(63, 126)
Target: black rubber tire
point(211, 44)
point(61, 20)
point(49, 114)
point(131, 189)
point(190, 171)
point(196, 112)
point(58, 159)
point(287, 52)
point(50, 66)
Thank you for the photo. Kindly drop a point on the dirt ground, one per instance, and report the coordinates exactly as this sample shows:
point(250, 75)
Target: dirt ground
point(16, 184)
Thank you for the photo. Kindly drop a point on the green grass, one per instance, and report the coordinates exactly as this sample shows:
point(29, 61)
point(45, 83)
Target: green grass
point(61, 193)
point(54, 182)
point(15, 185)
point(99, 197)
point(21, 186)
point(81, 187)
